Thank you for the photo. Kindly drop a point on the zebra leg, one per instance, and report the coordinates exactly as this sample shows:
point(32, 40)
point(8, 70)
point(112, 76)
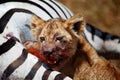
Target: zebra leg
point(105, 44)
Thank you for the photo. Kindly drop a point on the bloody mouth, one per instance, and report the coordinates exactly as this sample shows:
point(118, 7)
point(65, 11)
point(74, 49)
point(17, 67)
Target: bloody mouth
point(54, 58)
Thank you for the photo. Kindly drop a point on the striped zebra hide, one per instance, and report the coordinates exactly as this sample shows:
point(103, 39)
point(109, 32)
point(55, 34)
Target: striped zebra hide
point(15, 62)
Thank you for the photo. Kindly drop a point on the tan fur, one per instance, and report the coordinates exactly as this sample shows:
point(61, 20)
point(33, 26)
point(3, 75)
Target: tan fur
point(82, 61)
point(96, 67)
point(87, 65)
point(51, 30)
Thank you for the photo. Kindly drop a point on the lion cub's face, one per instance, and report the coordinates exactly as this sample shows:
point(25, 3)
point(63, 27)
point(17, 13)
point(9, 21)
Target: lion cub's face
point(56, 39)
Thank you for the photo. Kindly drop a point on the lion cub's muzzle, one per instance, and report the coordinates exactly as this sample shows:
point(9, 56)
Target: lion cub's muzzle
point(54, 55)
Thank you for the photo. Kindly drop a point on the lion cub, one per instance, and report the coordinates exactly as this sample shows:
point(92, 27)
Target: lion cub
point(61, 45)
point(56, 39)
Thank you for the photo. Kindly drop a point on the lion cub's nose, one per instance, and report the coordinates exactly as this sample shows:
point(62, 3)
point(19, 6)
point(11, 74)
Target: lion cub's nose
point(48, 47)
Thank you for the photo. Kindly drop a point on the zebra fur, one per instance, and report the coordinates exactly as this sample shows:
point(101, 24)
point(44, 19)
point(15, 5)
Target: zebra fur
point(18, 64)
point(15, 62)
point(106, 44)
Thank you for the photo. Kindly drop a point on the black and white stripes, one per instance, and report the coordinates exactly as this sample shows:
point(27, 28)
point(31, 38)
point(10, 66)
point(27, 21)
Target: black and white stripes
point(15, 62)
point(106, 44)
point(43, 9)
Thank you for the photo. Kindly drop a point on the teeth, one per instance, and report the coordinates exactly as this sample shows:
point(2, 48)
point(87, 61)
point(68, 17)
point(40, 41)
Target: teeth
point(51, 62)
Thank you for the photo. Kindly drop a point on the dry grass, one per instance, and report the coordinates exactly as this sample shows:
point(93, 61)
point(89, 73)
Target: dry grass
point(104, 14)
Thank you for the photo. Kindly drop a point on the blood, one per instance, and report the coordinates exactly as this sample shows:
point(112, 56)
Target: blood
point(49, 59)
point(37, 53)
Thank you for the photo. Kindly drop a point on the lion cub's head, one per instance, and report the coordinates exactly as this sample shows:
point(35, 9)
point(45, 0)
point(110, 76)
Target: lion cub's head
point(57, 38)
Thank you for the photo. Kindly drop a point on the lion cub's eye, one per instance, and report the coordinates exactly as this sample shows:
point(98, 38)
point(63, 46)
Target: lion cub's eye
point(42, 39)
point(59, 38)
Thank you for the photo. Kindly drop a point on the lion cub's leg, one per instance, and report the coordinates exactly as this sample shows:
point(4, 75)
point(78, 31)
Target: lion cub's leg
point(90, 51)
point(99, 68)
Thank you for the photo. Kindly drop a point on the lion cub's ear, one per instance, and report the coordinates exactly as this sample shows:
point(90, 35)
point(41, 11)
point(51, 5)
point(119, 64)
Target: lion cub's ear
point(75, 25)
point(36, 22)
point(37, 25)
